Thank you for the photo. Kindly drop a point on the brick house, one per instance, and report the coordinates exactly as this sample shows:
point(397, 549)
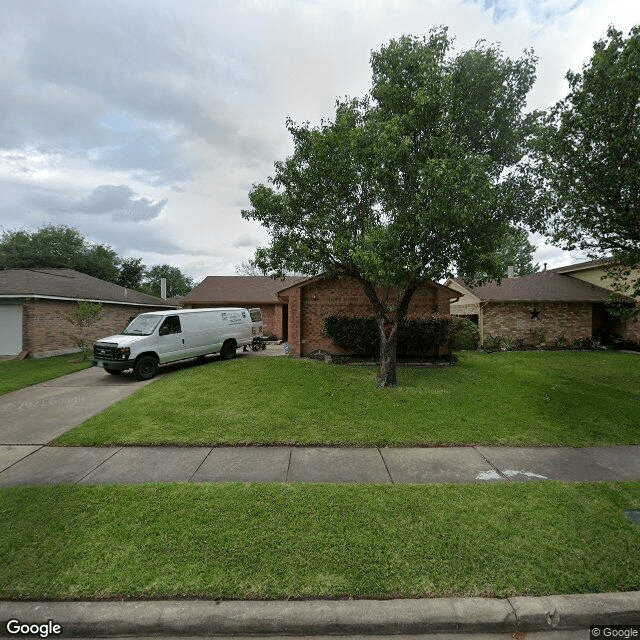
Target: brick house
point(311, 300)
point(567, 302)
point(34, 304)
point(248, 292)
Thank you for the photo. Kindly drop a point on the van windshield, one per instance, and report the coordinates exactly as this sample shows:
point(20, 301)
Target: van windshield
point(142, 326)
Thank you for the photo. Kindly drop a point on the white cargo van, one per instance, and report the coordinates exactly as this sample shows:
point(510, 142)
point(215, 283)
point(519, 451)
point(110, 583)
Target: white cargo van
point(155, 338)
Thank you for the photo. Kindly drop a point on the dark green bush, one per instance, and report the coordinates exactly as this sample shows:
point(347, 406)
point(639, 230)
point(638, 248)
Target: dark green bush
point(465, 335)
point(417, 337)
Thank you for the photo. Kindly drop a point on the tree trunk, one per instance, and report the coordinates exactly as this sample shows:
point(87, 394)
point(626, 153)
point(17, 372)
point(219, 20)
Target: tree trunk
point(388, 343)
point(388, 316)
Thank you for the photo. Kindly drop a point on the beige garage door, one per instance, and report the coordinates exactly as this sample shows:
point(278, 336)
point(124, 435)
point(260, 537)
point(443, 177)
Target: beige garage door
point(10, 329)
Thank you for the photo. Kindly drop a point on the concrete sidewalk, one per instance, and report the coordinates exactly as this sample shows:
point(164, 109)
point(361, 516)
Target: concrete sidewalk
point(33, 464)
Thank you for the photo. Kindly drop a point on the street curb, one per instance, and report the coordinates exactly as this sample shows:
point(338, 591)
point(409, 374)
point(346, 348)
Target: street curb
point(325, 617)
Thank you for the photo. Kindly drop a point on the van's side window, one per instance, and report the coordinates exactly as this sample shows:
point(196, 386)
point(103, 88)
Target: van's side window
point(170, 324)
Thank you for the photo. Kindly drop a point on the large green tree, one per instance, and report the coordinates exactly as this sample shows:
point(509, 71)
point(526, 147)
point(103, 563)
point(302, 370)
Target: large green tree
point(407, 184)
point(178, 284)
point(131, 273)
point(57, 247)
point(516, 250)
point(588, 158)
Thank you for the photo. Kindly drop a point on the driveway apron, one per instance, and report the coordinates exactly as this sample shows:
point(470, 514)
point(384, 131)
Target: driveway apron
point(39, 414)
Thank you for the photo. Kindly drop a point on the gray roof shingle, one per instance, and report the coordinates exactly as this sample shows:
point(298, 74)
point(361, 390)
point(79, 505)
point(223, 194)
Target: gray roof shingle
point(240, 290)
point(547, 286)
point(67, 283)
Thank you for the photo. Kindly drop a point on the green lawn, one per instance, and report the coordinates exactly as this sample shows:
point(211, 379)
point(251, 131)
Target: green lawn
point(296, 541)
point(17, 374)
point(514, 398)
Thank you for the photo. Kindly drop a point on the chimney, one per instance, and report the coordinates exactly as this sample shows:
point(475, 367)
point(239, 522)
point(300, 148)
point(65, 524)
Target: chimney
point(163, 288)
point(510, 271)
point(545, 266)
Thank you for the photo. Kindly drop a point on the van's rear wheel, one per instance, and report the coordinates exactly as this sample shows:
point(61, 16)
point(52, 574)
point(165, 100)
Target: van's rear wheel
point(228, 350)
point(145, 368)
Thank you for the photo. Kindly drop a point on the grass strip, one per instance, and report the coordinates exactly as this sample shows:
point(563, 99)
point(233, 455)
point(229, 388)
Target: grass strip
point(266, 541)
point(18, 374)
point(516, 398)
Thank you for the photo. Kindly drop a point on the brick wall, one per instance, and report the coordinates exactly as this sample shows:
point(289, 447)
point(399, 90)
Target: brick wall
point(628, 330)
point(309, 305)
point(45, 330)
point(513, 320)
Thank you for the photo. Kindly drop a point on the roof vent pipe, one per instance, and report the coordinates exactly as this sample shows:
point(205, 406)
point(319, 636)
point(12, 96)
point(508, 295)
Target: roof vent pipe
point(163, 288)
point(510, 271)
point(545, 266)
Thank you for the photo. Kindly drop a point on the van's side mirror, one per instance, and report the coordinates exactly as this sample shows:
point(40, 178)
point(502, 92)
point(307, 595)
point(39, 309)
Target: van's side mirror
point(164, 330)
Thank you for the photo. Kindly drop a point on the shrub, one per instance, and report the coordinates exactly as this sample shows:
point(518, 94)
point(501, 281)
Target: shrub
point(504, 343)
point(417, 337)
point(561, 342)
point(465, 335)
point(538, 337)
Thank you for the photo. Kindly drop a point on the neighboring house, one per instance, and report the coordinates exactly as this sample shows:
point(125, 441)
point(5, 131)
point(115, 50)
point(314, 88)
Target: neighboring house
point(247, 292)
point(311, 300)
point(34, 305)
point(568, 302)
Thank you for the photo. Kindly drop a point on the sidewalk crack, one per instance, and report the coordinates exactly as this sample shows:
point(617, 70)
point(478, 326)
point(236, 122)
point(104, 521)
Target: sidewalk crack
point(25, 457)
point(286, 477)
point(386, 466)
point(79, 480)
point(493, 466)
point(191, 477)
point(515, 613)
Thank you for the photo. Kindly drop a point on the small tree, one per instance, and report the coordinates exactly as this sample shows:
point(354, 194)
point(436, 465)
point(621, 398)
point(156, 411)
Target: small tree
point(406, 185)
point(83, 317)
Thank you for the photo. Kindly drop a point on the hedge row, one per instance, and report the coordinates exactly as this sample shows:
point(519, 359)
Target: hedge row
point(417, 337)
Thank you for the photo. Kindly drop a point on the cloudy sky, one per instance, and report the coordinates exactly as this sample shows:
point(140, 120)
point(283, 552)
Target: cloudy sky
point(144, 123)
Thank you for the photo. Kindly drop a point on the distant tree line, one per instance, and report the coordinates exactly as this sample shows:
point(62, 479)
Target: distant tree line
point(62, 247)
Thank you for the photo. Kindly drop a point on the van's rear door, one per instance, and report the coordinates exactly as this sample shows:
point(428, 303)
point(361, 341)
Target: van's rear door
point(257, 324)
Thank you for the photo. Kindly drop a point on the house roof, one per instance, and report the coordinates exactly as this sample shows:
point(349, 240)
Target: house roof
point(549, 286)
point(581, 266)
point(305, 281)
point(70, 284)
point(241, 290)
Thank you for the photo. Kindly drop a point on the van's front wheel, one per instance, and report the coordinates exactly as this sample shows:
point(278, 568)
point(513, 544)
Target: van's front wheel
point(145, 368)
point(113, 372)
point(228, 350)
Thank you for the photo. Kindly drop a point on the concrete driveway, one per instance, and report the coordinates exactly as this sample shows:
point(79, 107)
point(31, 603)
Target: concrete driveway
point(39, 414)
